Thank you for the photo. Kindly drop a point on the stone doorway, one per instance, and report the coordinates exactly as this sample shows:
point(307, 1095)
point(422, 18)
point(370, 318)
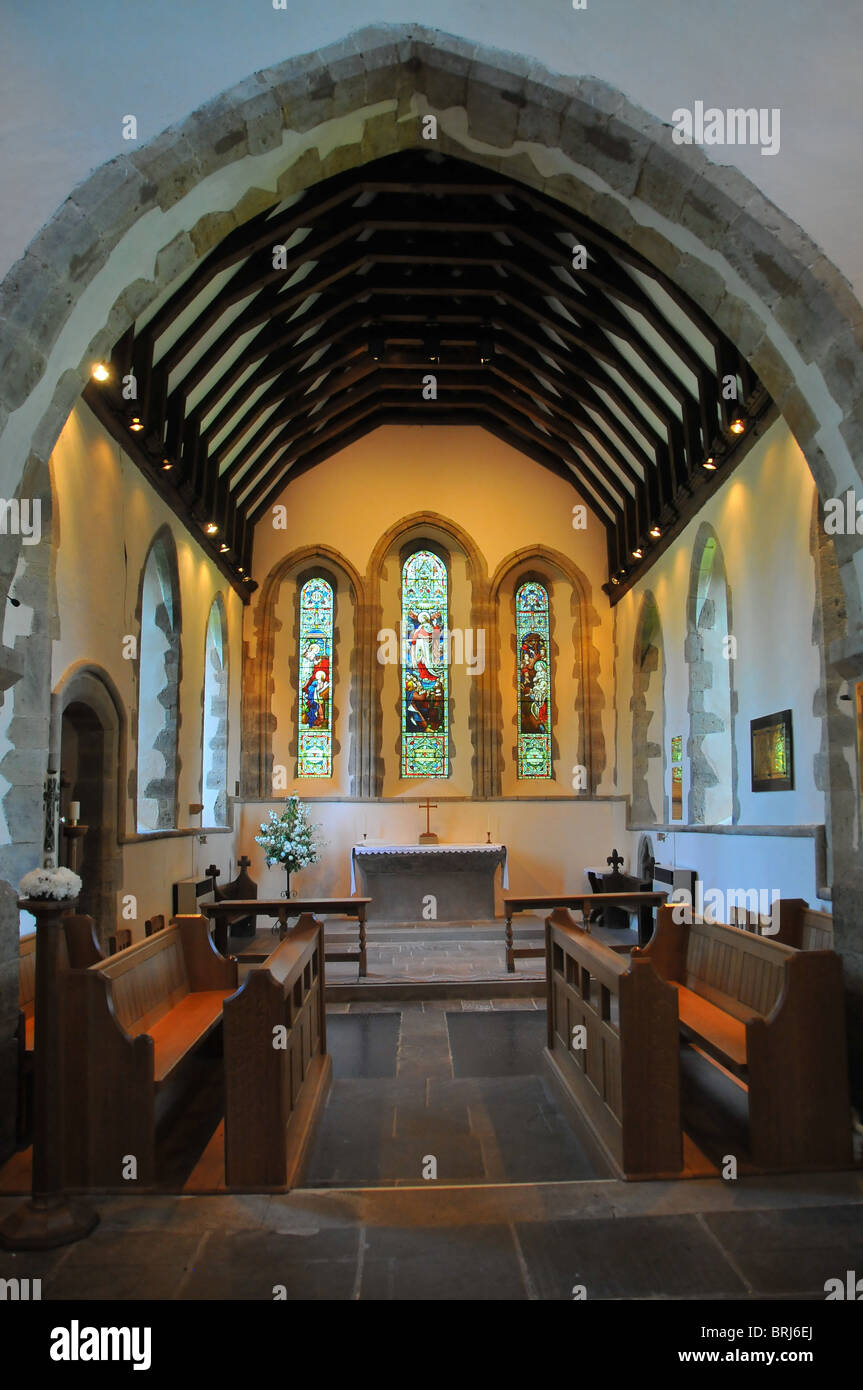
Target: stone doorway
point(86, 730)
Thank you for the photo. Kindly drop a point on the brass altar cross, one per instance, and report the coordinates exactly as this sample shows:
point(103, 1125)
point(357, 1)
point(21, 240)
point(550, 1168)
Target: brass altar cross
point(428, 807)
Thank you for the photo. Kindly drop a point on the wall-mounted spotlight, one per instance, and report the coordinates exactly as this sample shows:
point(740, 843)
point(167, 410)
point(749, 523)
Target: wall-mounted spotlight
point(167, 465)
point(100, 371)
point(738, 425)
point(431, 345)
point(638, 553)
point(709, 464)
point(136, 424)
point(211, 528)
point(377, 346)
point(486, 349)
point(224, 548)
point(656, 531)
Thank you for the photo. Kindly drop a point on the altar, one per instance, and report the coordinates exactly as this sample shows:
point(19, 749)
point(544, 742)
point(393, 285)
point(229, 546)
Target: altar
point(429, 883)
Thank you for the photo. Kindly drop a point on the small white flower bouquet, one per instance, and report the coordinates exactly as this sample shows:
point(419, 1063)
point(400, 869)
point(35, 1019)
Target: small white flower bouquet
point(289, 839)
point(46, 884)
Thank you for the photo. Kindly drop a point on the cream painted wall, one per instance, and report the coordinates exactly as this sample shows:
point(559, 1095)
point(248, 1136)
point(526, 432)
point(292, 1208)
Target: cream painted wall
point(107, 516)
point(549, 843)
point(509, 506)
point(762, 517)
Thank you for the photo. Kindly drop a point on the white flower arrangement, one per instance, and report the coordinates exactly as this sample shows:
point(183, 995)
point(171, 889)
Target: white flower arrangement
point(289, 839)
point(59, 884)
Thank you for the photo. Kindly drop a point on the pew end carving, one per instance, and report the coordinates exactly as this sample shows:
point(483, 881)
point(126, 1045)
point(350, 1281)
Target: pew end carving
point(131, 1021)
point(624, 1072)
point(277, 1069)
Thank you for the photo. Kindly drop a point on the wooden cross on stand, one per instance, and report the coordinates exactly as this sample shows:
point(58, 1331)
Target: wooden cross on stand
point(615, 860)
point(243, 862)
point(428, 837)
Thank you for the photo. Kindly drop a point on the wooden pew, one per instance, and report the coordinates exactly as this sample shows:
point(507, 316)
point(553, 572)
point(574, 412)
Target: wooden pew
point(626, 1080)
point(802, 927)
point(154, 924)
point(285, 909)
point(773, 1016)
point(242, 887)
point(132, 1020)
point(82, 944)
point(273, 1091)
point(642, 903)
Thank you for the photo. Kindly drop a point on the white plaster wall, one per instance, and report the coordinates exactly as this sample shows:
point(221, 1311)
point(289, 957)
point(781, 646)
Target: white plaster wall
point(107, 516)
point(507, 504)
point(71, 73)
point(762, 517)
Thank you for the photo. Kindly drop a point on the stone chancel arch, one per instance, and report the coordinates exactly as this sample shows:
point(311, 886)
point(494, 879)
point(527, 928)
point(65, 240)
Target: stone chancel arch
point(96, 282)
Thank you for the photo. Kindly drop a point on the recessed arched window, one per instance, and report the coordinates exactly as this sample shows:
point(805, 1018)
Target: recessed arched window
point(158, 689)
point(534, 680)
point(315, 716)
point(710, 651)
point(425, 682)
point(214, 761)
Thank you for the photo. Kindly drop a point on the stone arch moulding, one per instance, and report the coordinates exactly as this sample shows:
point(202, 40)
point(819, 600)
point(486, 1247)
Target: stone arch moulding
point(712, 702)
point(590, 700)
point(755, 272)
point(485, 728)
point(648, 708)
point(162, 551)
point(87, 684)
point(259, 674)
point(759, 276)
point(215, 707)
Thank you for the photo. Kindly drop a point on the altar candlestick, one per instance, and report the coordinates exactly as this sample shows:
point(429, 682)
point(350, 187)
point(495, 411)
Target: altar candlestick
point(74, 812)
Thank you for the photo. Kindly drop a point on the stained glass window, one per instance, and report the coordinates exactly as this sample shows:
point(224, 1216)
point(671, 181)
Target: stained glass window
point(425, 681)
point(315, 721)
point(534, 681)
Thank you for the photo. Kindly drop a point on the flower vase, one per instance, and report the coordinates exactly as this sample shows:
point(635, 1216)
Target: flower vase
point(287, 881)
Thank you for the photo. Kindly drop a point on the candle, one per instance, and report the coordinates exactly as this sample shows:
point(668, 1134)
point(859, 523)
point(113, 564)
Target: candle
point(74, 812)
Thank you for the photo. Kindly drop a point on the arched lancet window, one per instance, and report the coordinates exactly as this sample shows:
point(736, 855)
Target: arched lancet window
point(158, 690)
point(534, 681)
point(648, 717)
point(315, 716)
point(425, 677)
point(710, 653)
point(214, 759)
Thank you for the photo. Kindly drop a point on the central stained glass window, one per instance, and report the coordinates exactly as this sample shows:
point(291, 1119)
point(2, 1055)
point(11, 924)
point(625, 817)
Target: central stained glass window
point(534, 681)
point(425, 679)
point(315, 721)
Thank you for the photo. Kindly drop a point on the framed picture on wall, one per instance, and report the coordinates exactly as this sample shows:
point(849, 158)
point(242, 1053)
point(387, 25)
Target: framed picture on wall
point(772, 753)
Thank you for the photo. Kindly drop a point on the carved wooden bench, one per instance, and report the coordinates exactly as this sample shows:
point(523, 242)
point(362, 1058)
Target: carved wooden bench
point(132, 1020)
point(773, 1016)
point(276, 1065)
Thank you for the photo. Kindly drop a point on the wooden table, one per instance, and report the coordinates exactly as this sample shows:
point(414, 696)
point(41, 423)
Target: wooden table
point(576, 902)
point(284, 908)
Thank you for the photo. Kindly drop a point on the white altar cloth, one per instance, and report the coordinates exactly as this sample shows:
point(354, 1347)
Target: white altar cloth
point(366, 851)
